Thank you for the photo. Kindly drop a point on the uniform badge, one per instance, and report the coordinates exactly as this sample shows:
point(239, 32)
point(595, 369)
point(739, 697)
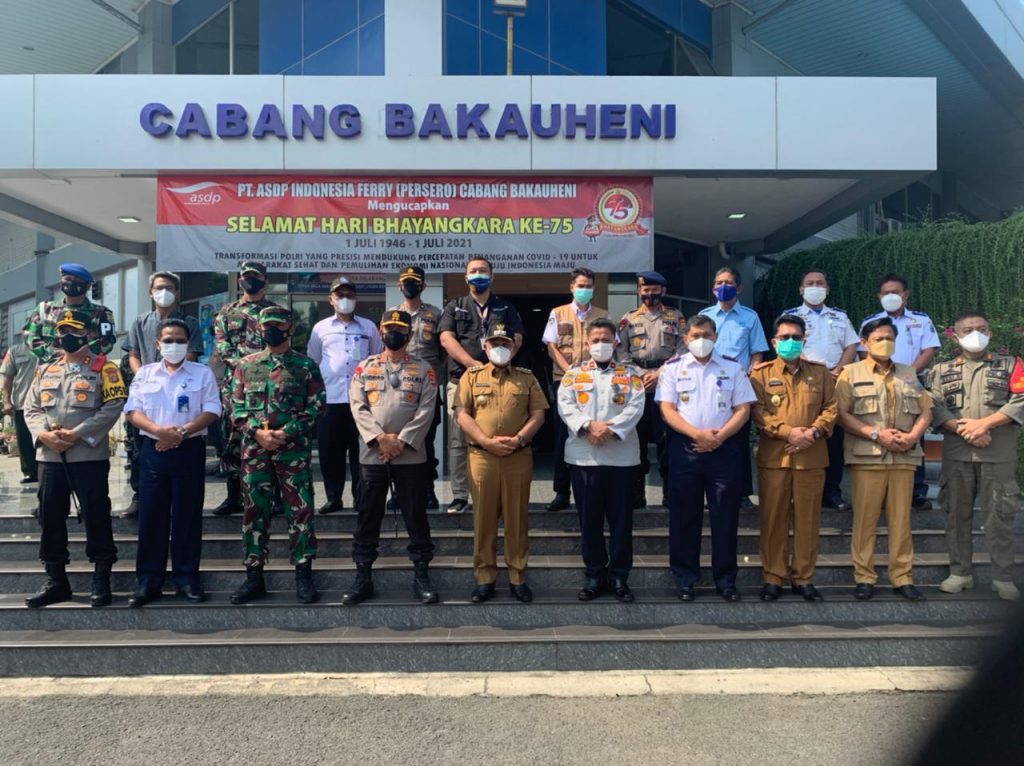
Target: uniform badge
point(410, 397)
point(81, 397)
point(684, 398)
point(372, 397)
point(619, 399)
point(45, 396)
point(583, 397)
point(776, 400)
point(638, 382)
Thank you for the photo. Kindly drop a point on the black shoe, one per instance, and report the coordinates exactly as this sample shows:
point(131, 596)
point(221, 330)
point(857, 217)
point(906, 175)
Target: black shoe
point(432, 503)
point(686, 593)
point(909, 592)
point(770, 592)
point(331, 506)
point(132, 511)
point(592, 588)
point(212, 469)
point(305, 590)
point(808, 592)
point(29, 479)
point(746, 504)
point(192, 593)
point(55, 589)
point(482, 593)
point(836, 502)
point(560, 503)
point(392, 504)
point(144, 596)
point(458, 505)
point(254, 587)
point(362, 587)
point(729, 593)
point(521, 592)
point(233, 502)
point(422, 588)
point(622, 592)
point(100, 595)
point(863, 591)
point(921, 504)
point(640, 502)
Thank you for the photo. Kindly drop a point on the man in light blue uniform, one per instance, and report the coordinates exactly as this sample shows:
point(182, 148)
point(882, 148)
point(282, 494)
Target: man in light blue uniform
point(916, 344)
point(830, 340)
point(742, 339)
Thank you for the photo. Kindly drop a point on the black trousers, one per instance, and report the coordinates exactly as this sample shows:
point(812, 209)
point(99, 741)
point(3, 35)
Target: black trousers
point(651, 428)
point(431, 475)
point(89, 479)
point(26, 449)
point(834, 472)
point(338, 440)
point(745, 475)
point(135, 469)
point(172, 487)
point(408, 481)
point(693, 476)
point(605, 493)
point(562, 483)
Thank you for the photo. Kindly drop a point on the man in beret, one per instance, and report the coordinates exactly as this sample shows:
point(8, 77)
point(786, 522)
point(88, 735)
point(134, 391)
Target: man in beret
point(40, 331)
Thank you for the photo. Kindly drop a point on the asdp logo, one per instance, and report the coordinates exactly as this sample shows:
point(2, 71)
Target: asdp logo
point(201, 194)
point(619, 210)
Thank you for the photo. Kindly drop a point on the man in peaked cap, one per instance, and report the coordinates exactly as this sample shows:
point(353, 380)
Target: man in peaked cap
point(40, 331)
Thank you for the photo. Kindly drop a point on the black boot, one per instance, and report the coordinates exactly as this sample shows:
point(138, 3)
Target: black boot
point(56, 588)
point(362, 586)
point(253, 588)
point(305, 591)
point(233, 502)
point(100, 585)
point(423, 589)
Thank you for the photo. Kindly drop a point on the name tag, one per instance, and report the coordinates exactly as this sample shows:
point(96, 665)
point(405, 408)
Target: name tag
point(183, 403)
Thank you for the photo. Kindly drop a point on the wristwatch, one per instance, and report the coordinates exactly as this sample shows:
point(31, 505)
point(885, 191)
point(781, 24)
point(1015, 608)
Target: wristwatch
point(873, 436)
point(521, 440)
point(183, 431)
point(817, 433)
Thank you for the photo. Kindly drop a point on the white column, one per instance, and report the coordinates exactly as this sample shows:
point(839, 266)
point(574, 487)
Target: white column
point(413, 37)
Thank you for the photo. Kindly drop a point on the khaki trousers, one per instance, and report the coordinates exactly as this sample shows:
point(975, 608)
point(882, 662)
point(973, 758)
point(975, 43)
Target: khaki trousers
point(893, 486)
point(785, 492)
point(500, 488)
point(456, 446)
point(995, 485)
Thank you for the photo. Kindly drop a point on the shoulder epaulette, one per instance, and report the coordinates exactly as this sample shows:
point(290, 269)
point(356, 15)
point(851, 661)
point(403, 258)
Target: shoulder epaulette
point(672, 359)
point(762, 365)
point(729, 358)
point(475, 368)
point(794, 310)
point(523, 369)
point(841, 311)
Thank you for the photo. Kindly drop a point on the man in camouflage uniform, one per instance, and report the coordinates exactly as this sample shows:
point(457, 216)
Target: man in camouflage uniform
point(237, 333)
point(276, 399)
point(40, 330)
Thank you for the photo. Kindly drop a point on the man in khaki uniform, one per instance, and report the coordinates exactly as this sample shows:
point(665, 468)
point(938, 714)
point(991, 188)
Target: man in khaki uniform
point(500, 408)
point(978, 400)
point(795, 413)
point(885, 411)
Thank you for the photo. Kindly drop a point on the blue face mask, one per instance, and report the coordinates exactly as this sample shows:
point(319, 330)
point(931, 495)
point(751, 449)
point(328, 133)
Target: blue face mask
point(725, 293)
point(789, 349)
point(479, 282)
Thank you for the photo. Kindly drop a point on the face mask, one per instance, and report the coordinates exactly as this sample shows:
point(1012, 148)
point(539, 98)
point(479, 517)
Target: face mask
point(73, 289)
point(725, 293)
point(173, 351)
point(891, 302)
point(650, 300)
point(789, 349)
point(394, 340)
point(72, 343)
point(479, 282)
point(601, 352)
point(163, 298)
point(252, 285)
point(815, 296)
point(345, 305)
point(882, 349)
point(499, 355)
point(701, 347)
point(411, 289)
point(974, 342)
point(274, 336)
point(582, 295)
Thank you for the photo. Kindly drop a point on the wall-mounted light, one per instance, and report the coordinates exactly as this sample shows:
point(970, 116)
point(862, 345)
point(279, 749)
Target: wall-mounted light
point(129, 219)
point(737, 216)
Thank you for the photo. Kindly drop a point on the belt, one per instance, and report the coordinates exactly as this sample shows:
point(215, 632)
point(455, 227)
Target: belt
point(649, 365)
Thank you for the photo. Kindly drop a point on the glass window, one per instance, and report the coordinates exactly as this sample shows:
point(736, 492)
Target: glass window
point(637, 46)
point(247, 37)
point(206, 50)
point(110, 296)
point(202, 283)
point(131, 296)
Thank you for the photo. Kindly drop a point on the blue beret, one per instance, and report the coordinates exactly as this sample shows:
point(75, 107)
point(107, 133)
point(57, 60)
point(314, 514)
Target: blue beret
point(76, 270)
point(650, 278)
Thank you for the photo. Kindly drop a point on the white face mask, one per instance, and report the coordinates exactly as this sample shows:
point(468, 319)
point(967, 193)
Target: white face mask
point(974, 342)
point(164, 298)
point(345, 305)
point(891, 302)
point(499, 355)
point(815, 296)
point(173, 352)
point(601, 352)
point(701, 347)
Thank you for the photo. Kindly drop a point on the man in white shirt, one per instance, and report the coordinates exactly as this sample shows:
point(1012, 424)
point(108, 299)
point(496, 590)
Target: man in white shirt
point(338, 344)
point(172, 402)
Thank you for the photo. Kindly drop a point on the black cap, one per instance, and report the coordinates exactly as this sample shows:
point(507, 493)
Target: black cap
point(415, 273)
point(343, 282)
point(396, 318)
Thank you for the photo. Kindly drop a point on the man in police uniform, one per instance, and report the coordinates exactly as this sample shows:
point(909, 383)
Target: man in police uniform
point(237, 333)
point(393, 396)
point(276, 400)
point(72, 405)
point(885, 412)
point(500, 408)
point(465, 323)
point(830, 340)
point(705, 400)
point(425, 344)
point(916, 345)
point(650, 336)
point(979, 402)
point(41, 327)
point(565, 336)
point(601, 402)
point(795, 411)
point(17, 371)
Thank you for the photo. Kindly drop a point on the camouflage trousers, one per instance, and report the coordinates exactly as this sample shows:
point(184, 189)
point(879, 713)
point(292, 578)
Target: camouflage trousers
point(231, 440)
point(265, 477)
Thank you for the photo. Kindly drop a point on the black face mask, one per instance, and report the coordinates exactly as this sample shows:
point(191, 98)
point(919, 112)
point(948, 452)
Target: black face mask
point(72, 343)
point(251, 285)
point(73, 289)
point(274, 336)
point(650, 300)
point(411, 289)
point(394, 340)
